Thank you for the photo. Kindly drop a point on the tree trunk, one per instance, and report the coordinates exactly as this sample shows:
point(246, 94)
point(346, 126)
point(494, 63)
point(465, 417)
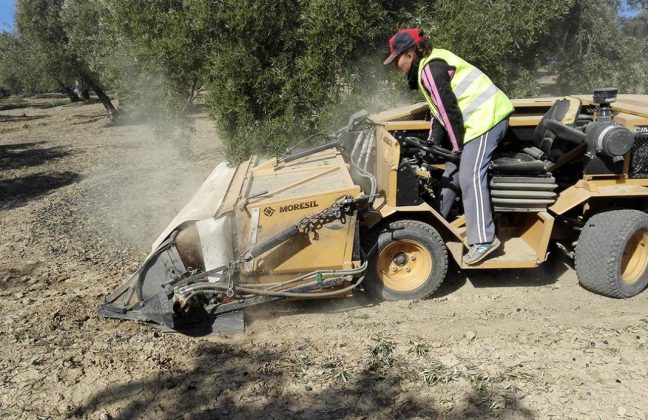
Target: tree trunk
point(83, 89)
point(70, 92)
point(105, 100)
point(193, 94)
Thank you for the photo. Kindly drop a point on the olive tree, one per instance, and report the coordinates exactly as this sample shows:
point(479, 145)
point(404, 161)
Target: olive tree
point(41, 23)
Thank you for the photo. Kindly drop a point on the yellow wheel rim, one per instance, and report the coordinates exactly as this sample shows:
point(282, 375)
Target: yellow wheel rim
point(635, 258)
point(404, 265)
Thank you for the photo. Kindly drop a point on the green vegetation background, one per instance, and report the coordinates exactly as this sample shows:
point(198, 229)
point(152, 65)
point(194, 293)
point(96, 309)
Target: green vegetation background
point(273, 72)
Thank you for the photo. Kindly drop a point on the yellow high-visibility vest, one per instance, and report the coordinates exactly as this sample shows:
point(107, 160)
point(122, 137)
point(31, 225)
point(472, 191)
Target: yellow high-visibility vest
point(481, 103)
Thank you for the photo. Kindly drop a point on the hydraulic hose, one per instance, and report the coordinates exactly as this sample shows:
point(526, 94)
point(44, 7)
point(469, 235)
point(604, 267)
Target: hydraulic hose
point(289, 294)
point(301, 143)
point(309, 151)
point(197, 288)
point(312, 274)
point(271, 242)
point(276, 293)
point(306, 225)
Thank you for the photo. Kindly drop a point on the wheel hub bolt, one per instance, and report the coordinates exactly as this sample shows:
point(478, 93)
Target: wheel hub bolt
point(413, 258)
point(393, 269)
point(407, 269)
point(400, 259)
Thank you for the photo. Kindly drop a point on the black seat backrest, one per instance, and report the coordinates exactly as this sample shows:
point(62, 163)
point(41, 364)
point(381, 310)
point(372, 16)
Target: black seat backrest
point(565, 110)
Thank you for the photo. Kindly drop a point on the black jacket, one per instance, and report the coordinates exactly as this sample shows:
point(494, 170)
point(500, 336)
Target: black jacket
point(439, 89)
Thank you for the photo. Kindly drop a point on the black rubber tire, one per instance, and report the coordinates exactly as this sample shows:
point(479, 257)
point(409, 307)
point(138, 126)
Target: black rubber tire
point(411, 230)
point(600, 249)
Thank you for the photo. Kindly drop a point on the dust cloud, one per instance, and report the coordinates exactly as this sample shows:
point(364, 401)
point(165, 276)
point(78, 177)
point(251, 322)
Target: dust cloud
point(158, 157)
point(152, 169)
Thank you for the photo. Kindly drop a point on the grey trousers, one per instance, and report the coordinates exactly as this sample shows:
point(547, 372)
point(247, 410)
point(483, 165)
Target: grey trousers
point(471, 179)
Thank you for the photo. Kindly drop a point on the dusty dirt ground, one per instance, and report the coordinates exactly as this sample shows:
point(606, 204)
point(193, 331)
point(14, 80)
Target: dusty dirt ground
point(80, 203)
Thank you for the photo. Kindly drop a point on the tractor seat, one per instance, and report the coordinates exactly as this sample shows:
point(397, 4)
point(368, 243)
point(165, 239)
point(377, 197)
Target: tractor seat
point(534, 159)
point(521, 163)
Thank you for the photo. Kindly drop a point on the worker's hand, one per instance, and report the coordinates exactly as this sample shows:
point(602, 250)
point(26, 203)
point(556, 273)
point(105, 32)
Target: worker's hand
point(456, 157)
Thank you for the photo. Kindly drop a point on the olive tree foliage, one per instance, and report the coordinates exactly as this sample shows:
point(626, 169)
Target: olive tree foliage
point(283, 69)
point(506, 39)
point(278, 68)
point(274, 72)
point(637, 27)
point(153, 51)
point(21, 69)
point(582, 44)
point(43, 26)
point(592, 49)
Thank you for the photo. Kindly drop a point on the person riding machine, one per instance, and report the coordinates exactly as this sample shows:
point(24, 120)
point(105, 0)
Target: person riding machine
point(471, 114)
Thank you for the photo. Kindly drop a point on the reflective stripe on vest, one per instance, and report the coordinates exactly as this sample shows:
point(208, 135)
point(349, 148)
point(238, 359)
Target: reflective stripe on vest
point(467, 81)
point(481, 103)
point(482, 98)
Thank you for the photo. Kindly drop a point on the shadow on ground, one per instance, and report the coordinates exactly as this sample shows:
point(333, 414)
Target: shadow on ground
point(45, 102)
point(88, 119)
point(18, 191)
point(342, 305)
point(20, 118)
point(15, 156)
point(228, 382)
point(546, 274)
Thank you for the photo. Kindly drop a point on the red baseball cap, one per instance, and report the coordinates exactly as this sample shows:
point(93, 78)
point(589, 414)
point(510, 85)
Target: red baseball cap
point(402, 41)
